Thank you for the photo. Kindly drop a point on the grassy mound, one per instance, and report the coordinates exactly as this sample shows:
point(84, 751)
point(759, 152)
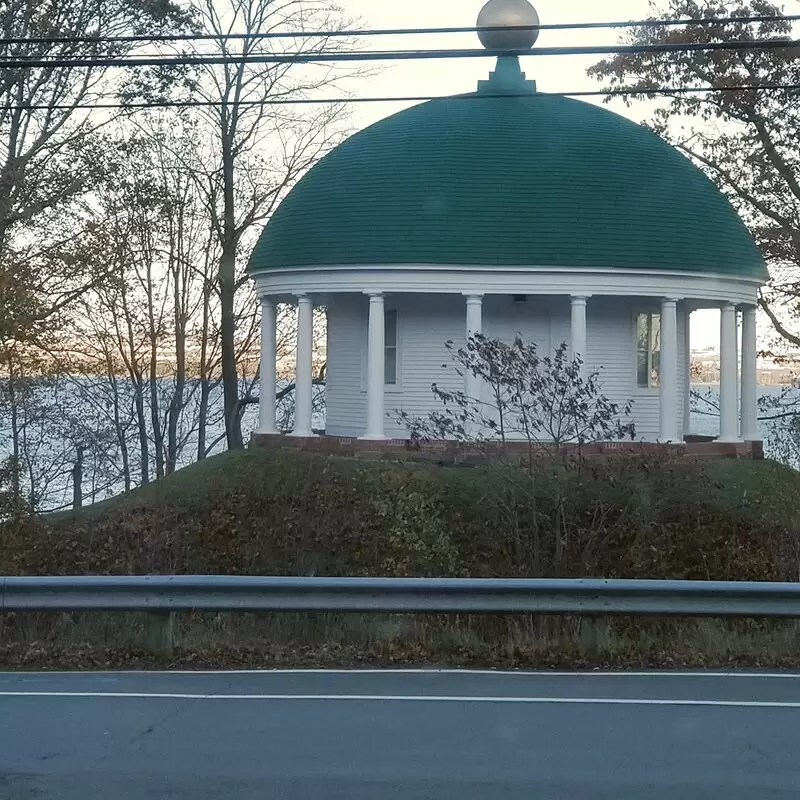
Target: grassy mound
point(264, 511)
point(292, 513)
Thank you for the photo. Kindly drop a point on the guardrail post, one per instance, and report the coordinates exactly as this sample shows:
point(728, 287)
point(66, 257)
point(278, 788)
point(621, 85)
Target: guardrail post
point(159, 633)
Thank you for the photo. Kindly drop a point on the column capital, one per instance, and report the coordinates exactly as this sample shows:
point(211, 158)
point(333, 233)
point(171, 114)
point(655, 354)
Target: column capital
point(373, 294)
point(671, 300)
point(303, 297)
point(473, 297)
point(580, 298)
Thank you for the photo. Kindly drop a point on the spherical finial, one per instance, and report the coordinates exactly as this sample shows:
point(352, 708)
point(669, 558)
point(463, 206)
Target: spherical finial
point(508, 14)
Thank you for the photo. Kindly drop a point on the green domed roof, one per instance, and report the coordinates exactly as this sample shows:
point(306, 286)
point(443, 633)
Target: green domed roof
point(538, 180)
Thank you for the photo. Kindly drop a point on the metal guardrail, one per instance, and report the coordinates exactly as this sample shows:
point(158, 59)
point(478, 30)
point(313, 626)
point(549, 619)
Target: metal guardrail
point(400, 595)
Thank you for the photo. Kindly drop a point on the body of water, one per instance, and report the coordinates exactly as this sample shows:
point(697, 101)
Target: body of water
point(705, 418)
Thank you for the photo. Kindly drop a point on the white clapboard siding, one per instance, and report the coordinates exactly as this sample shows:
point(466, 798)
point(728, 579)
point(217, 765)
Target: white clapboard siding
point(426, 322)
point(505, 318)
point(611, 345)
point(346, 405)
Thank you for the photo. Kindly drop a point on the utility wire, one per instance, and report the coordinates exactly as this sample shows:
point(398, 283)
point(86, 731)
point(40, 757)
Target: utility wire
point(397, 55)
point(774, 87)
point(559, 26)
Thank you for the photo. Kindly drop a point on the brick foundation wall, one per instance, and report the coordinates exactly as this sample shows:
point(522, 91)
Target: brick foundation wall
point(403, 450)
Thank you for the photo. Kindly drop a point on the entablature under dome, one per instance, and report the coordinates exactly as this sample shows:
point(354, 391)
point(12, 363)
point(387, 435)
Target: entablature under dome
point(421, 279)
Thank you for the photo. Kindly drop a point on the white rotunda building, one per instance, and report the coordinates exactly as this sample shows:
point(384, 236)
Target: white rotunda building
point(507, 211)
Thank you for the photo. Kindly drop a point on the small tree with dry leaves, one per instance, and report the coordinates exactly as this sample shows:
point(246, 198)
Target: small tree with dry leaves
point(546, 401)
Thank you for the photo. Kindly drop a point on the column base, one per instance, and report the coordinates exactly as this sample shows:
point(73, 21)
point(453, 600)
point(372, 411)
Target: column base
point(729, 440)
point(370, 438)
point(303, 435)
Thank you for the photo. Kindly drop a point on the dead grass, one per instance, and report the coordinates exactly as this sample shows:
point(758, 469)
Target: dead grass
point(263, 512)
point(105, 641)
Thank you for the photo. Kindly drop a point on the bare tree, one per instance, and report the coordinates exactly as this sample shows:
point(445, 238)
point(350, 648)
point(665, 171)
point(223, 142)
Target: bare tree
point(123, 240)
point(745, 140)
point(54, 443)
point(50, 159)
point(259, 149)
point(158, 257)
point(49, 141)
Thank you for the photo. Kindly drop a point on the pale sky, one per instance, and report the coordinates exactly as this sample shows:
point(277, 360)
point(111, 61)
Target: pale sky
point(452, 76)
point(443, 77)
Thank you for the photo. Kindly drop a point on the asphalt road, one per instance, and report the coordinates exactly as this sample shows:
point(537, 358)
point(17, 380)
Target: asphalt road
point(400, 735)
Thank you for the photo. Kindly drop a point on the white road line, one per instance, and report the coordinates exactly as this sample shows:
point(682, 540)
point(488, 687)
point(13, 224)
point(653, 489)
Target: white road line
point(371, 698)
point(411, 671)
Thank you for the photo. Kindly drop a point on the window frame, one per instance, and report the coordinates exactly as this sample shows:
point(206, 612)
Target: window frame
point(388, 388)
point(389, 313)
point(650, 314)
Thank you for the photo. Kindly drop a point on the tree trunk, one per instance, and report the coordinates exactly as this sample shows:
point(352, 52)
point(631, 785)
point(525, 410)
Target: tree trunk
point(77, 479)
point(15, 433)
point(173, 417)
point(119, 432)
point(155, 416)
point(177, 401)
point(155, 400)
point(227, 290)
point(202, 417)
point(205, 380)
point(141, 423)
point(119, 428)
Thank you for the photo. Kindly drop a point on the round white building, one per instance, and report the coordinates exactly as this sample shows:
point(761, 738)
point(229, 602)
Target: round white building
point(508, 211)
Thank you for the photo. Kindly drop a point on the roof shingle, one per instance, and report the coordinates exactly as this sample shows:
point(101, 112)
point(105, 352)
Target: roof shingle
point(541, 180)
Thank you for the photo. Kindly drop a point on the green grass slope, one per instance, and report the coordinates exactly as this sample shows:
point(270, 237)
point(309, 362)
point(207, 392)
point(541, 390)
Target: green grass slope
point(264, 511)
point(274, 512)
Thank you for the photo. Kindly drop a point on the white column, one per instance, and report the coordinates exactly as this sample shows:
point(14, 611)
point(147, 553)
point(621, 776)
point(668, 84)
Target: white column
point(266, 402)
point(474, 325)
point(668, 372)
point(578, 328)
point(687, 389)
point(376, 368)
point(304, 370)
point(750, 430)
point(728, 389)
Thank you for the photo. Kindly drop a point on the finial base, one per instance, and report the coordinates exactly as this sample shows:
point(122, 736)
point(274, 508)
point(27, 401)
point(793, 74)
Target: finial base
point(507, 78)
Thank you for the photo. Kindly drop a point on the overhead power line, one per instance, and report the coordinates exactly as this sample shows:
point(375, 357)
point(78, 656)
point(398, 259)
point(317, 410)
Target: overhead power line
point(303, 101)
point(324, 57)
point(330, 34)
